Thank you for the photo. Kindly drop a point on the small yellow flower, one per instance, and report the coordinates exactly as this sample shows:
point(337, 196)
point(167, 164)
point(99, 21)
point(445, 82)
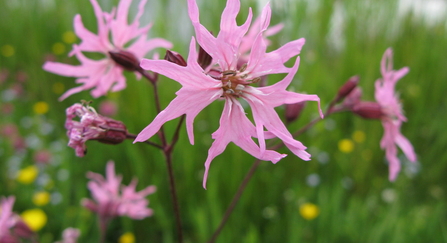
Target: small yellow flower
point(58, 88)
point(58, 48)
point(34, 218)
point(359, 136)
point(346, 145)
point(27, 175)
point(309, 211)
point(7, 50)
point(127, 237)
point(41, 107)
point(69, 37)
point(41, 198)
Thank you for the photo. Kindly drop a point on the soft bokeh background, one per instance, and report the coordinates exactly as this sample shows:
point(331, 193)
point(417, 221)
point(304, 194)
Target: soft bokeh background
point(341, 195)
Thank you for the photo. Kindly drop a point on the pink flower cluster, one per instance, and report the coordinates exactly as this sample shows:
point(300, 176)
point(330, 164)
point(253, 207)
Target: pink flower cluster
point(111, 199)
point(106, 74)
point(231, 77)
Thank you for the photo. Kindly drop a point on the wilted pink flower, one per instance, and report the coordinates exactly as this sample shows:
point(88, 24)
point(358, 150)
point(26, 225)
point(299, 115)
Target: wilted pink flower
point(70, 235)
point(91, 126)
point(111, 199)
point(227, 80)
point(393, 115)
point(107, 74)
point(12, 228)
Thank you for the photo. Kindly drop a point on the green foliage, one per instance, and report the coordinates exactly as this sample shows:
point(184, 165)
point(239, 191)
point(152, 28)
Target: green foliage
point(357, 202)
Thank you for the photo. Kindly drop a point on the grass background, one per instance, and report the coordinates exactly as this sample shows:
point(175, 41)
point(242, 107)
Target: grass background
point(357, 202)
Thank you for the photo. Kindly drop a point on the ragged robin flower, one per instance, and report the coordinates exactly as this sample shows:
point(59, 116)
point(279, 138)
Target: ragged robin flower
point(111, 199)
point(107, 74)
point(229, 80)
point(393, 115)
point(91, 126)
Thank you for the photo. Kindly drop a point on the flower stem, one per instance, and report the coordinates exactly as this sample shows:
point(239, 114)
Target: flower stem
point(235, 199)
point(167, 151)
point(253, 168)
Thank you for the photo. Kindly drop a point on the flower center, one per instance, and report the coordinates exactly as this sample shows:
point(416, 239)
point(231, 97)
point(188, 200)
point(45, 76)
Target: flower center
point(234, 81)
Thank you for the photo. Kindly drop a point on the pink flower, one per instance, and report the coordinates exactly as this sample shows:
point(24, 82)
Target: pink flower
point(225, 79)
point(393, 115)
point(91, 126)
point(12, 228)
point(70, 235)
point(107, 74)
point(111, 199)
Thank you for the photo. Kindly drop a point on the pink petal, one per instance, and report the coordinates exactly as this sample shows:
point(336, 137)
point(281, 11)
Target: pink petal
point(235, 127)
point(189, 102)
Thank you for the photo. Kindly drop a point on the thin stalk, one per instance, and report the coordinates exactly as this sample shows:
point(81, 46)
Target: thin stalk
point(133, 136)
point(167, 151)
point(330, 110)
point(235, 199)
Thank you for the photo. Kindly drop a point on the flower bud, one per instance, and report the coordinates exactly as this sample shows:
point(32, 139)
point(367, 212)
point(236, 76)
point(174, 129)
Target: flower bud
point(125, 59)
point(114, 132)
point(368, 110)
point(293, 111)
point(347, 88)
point(175, 57)
point(204, 58)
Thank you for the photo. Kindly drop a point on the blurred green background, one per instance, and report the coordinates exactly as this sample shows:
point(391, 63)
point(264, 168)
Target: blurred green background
point(345, 183)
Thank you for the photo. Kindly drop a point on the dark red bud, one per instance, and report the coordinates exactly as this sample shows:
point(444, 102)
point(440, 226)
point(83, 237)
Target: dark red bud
point(347, 88)
point(115, 132)
point(175, 57)
point(204, 58)
point(368, 110)
point(125, 59)
point(293, 111)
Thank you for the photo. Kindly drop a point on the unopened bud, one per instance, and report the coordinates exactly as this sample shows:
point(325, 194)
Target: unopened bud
point(204, 58)
point(175, 57)
point(293, 111)
point(115, 132)
point(346, 89)
point(368, 110)
point(22, 230)
point(125, 59)
point(353, 98)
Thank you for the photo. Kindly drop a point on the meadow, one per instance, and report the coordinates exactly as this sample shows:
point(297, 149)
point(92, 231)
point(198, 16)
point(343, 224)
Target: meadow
point(345, 185)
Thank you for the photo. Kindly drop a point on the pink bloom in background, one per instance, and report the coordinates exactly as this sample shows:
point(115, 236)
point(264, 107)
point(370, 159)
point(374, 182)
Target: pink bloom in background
point(230, 80)
point(106, 74)
point(70, 235)
point(111, 199)
point(12, 228)
point(91, 126)
point(392, 114)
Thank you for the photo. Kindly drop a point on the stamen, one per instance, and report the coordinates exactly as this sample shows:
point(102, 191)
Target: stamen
point(229, 72)
point(243, 68)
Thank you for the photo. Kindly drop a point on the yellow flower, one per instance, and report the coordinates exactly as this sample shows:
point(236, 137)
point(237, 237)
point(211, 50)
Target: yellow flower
point(309, 211)
point(41, 198)
point(7, 50)
point(27, 175)
point(358, 136)
point(34, 218)
point(346, 145)
point(128, 237)
point(58, 88)
point(58, 48)
point(41, 107)
point(69, 37)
